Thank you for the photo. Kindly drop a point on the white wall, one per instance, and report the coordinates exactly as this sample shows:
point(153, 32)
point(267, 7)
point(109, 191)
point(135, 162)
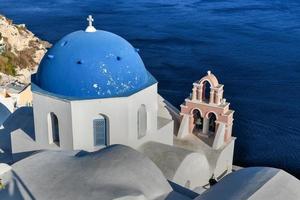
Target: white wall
point(42, 106)
point(76, 119)
point(148, 97)
point(165, 134)
point(85, 111)
point(122, 115)
point(225, 158)
point(6, 108)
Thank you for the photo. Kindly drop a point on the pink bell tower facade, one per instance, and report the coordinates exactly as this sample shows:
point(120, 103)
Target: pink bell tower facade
point(206, 113)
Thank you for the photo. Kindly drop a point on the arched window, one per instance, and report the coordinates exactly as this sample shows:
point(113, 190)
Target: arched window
point(198, 121)
point(100, 126)
point(212, 122)
point(53, 128)
point(206, 91)
point(142, 121)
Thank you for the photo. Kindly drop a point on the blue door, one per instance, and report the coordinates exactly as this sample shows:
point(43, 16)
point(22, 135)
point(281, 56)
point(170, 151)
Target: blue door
point(100, 132)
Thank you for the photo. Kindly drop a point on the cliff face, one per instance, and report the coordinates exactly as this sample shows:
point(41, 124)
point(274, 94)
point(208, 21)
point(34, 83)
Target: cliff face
point(20, 52)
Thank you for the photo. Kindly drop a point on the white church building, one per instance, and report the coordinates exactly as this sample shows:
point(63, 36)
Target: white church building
point(92, 89)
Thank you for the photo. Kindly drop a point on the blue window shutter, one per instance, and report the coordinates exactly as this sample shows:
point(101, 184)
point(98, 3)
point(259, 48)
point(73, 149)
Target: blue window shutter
point(100, 131)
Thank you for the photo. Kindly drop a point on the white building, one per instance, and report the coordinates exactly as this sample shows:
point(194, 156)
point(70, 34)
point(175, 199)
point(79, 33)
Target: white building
point(2, 44)
point(92, 89)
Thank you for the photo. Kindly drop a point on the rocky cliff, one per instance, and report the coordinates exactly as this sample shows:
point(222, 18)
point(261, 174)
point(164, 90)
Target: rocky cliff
point(20, 52)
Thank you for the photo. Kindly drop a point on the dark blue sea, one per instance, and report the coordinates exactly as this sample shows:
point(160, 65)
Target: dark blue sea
point(252, 46)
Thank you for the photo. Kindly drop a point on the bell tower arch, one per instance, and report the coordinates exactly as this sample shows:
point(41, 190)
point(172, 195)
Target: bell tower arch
point(206, 113)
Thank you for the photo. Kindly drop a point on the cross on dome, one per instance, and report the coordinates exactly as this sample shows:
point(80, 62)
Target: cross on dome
point(90, 20)
point(90, 27)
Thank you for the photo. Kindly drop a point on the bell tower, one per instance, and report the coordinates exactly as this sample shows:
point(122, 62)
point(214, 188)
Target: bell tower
point(206, 114)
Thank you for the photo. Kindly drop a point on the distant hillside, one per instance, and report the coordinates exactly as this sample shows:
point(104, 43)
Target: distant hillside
point(20, 52)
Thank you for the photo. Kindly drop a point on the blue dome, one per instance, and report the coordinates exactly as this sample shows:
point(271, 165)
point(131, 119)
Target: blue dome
point(89, 65)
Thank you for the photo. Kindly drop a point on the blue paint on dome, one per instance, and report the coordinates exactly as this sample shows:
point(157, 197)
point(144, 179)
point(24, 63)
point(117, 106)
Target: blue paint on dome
point(92, 65)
